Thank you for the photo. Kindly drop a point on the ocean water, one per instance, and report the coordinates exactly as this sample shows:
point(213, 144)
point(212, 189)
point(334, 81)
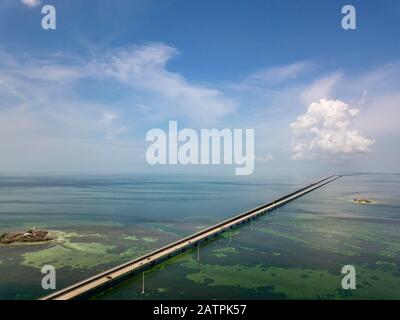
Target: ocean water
point(296, 252)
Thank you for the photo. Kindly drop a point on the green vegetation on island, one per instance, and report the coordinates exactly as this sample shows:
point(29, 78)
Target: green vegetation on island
point(363, 201)
point(31, 235)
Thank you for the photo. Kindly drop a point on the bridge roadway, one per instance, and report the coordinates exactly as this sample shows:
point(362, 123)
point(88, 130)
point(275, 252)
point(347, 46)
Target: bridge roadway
point(99, 282)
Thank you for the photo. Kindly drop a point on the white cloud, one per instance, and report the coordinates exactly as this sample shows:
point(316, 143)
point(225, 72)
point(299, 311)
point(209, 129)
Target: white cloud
point(46, 88)
point(144, 68)
point(31, 3)
point(38, 98)
point(324, 131)
point(94, 101)
point(52, 72)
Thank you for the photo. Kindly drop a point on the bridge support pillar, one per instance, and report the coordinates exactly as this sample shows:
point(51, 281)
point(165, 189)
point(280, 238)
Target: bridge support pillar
point(143, 282)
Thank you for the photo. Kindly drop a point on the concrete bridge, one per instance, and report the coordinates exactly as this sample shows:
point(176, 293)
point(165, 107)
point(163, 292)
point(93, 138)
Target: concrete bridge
point(87, 288)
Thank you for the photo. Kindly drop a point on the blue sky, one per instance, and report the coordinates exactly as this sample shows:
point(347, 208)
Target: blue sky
point(82, 97)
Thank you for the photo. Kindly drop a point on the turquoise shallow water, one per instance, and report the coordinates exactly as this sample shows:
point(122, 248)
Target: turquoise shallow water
point(296, 252)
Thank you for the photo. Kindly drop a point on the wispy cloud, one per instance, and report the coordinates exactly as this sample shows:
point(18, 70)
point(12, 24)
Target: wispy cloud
point(96, 102)
point(31, 3)
point(322, 88)
point(39, 83)
point(39, 98)
point(144, 68)
point(265, 158)
point(280, 73)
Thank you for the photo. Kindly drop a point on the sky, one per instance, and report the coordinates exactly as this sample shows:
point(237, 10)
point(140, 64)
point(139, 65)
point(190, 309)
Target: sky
point(82, 97)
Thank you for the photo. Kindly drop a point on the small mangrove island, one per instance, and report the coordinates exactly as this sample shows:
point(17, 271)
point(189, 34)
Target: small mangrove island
point(30, 236)
point(363, 201)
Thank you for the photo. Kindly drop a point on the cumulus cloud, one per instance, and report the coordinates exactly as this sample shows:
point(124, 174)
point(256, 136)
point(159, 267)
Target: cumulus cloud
point(31, 3)
point(324, 130)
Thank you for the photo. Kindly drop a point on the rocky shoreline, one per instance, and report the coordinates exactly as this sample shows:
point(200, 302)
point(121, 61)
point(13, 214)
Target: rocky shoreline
point(30, 236)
